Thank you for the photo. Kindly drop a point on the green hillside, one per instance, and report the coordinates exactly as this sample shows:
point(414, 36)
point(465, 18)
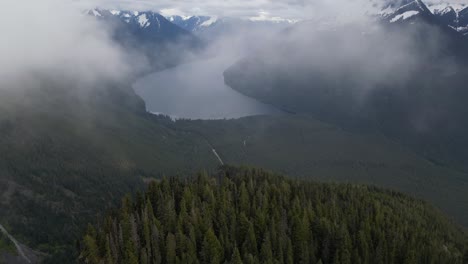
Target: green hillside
point(252, 216)
point(303, 147)
point(70, 153)
point(423, 109)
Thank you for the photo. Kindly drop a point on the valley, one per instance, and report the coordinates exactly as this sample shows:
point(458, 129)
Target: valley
point(254, 136)
point(196, 90)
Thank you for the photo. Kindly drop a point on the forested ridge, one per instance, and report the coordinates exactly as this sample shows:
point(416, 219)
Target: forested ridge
point(60, 168)
point(252, 216)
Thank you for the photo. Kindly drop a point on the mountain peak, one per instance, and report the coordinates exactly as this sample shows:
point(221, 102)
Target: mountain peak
point(190, 23)
point(409, 11)
point(144, 19)
point(447, 10)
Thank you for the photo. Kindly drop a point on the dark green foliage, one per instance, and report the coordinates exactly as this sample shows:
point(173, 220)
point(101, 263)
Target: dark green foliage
point(303, 147)
point(69, 154)
point(6, 245)
point(252, 216)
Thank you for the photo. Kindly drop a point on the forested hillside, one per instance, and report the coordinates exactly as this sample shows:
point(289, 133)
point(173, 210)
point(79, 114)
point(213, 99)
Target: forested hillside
point(306, 148)
point(69, 153)
point(252, 216)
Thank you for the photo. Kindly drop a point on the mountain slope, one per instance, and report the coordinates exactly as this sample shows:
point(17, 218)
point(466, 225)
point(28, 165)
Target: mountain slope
point(150, 34)
point(71, 153)
point(447, 16)
point(304, 147)
point(411, 11)
point(193, 23)
point(405, 80)
point(249, 215)
point(210, 28)
point(143, 24)
point(444, 15)
point(463, 21)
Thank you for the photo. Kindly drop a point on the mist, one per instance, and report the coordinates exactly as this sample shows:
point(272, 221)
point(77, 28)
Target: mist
point(54, 39)
point(341, 42)
point(345, 46)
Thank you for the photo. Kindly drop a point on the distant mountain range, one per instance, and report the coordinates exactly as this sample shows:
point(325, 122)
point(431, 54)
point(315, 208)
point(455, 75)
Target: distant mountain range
point(193, 23)
point(145, 25)
point(212, 26)
point(152, 25)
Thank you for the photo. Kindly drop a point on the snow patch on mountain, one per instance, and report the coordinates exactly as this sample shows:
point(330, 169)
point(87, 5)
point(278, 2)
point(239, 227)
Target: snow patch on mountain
point(437, 8)
point(404, 16)
point(387, 11)
point(209, 22)
point(446, 10)
point(143, 21)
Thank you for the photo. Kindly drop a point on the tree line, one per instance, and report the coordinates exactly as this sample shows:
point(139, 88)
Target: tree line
point(248, 215)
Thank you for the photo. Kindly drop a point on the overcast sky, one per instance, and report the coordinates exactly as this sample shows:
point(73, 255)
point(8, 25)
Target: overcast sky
point(288, 9)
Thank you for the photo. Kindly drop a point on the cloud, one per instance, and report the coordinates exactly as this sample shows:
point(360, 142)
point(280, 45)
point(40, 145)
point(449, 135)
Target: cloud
point(286, 9)
point(53, 37)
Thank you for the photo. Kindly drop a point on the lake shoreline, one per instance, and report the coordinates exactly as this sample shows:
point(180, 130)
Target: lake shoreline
point(196, 90)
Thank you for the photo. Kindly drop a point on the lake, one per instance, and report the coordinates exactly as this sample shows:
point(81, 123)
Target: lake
point(196, 90)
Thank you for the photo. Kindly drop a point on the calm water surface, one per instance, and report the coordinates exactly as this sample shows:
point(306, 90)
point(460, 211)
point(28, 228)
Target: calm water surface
point(197, 91)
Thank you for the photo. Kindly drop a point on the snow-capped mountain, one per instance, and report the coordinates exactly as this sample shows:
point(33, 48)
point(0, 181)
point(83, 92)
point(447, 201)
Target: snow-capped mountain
point(447, 16)
point(213, 26)
point(193, 23)
point(145, 24)
point(454, 16)
point(463, 21)
point(410, 11)
point(437, 8)
point(150, 34)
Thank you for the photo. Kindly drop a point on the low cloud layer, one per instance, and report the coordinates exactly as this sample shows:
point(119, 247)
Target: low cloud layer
point(54, 38)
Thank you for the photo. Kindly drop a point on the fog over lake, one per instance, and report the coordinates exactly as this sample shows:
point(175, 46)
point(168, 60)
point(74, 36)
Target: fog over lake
point(197, 91)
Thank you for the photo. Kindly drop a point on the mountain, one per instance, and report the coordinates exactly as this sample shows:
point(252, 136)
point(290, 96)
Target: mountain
point(192, 23)
point(463, 21)
point(447, 16)
point(452, 15)
point(418, 101)
point(62, 168)
point(417, 14)
point(144, 25)
point(70, 151)
point(161, 42)
point(411, 11)
point(253, 216)
point(212, 27)
point(456, 18)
